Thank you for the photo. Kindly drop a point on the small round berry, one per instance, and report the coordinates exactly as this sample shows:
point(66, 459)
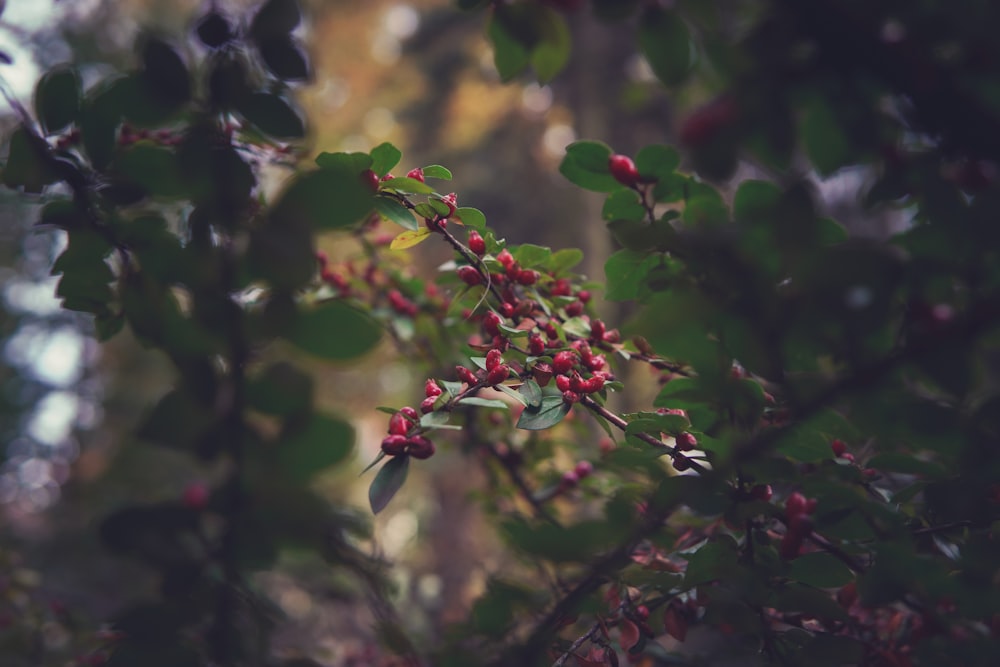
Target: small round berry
point(623, 169)
point(597, 330)
point(394, 445)
point(686, 442)
point(399, 424)
point(416, 174)
point(569, 479)
point(491, 323)
point(562, 383)
point(563, 362)
point(574, 309)
point(451, 201)
point(493, 359)
point(583, 295)
point(498, 374)
point(583, 469)
point(536, 346)
point(761, 492)
point(465, 375)
point(419, 447)
point(795, 505)
point(432, 389)
point(527, 277)
point(476, 243)
point(427, 405)
point(470, 276)
point(506, 259)
point(838, 447)
point(569, 396)
point(369, 178)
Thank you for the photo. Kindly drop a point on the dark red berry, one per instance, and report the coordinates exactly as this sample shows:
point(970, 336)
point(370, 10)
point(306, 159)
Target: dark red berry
point(476, 243)
point(493, 359)
point(394, 445)
point(491, 323)
point(195, 496)
point(427, 405)
point(574, 309)
point(431, 388)
point(682, 462)
point(569, 479)
point(527, 277)
point(583, 469)
point(498, 374)
point(686, 442)
point(469, 275)
point(506, 259)
point(563, 362)
point(583, 295)
point(597, 330)
point(370, 178)
point(623, 169)
point(465, 375)
point(419, 447)
point(399, 424)
point(761, 492)
point(536, 346)
point(506, 309)
point(562, 383)
point(570, 396)
point(795, 505)
point(838, 447)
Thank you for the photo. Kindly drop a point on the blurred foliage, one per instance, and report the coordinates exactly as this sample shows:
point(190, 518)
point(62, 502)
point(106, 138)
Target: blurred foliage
point(816, 480)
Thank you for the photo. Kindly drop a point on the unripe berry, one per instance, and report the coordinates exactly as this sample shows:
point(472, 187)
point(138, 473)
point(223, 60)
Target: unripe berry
point(394, 445)
point(498, 374)
point(563, 362)
point(493, 359)
point(416, 174)
point(476, 243)
point(623, 169)
point(419, 447)
point(686, 442)
point(431, 388)
point(469, 275)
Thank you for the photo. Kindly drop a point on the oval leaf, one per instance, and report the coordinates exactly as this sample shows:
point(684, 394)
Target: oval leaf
point(387, 482)
point(57, 98)
point(334, 331)
point(551, 410)
point(409, 238)
point(272, 115)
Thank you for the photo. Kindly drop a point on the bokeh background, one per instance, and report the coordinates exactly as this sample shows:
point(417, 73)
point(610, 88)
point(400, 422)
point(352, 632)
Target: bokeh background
point(418, 74)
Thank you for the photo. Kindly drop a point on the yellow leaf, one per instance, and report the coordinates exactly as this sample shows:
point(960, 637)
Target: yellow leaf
point(409, 238)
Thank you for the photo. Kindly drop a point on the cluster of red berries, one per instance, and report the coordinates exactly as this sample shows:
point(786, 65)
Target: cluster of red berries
point(571, 478)
point(401, 439)
point(799, 524)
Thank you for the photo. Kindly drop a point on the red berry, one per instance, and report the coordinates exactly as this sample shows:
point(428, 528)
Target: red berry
point(369, 178)
point(493, 359)
point(195, 496)
point(476, 243)
point(569, 396)
point(583, 295)
point(597, 362)
point(491, 323)
point(399, 424)
point(394, 445)
point(536, 346)
point(795, 505)
point(761, 492)
point(562, 383)
point(563, 362)
point(410, 413)
point(561, 287)
point(594, 384)
point(706, 122)
point(527, 277)
point(574, 309)
point(416, 174)
point(469, 275)
point(686, 442)
point(451, 201)
point(569, 479)
point(419, 447)
point(597, 330)
point(465, 375)
point(838, 447)
point(431, 388)
point(583, 469)
point(498, 374)
point(506, 259)
point(847, 456)
point(623, 169)
point(642, 612)
point(507, 309)
point(427, 405)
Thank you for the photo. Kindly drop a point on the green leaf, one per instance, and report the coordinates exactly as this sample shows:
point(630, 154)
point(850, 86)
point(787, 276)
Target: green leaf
point(328, 198)
point(821, 570)
point(714, 560)
point(387, 482)
point(550, 411)
point(529, 255)
point(552, 51)
point(827, 144)
point(273, 115)
point(305, 449)
point(705, 206)
point(906, 464)
point(177, 421)
point(385, 156)
point(153, 168)
point(810, 601)
point(437, 171)
point(625, 271)
point(756, 202)
point(27, 165)
point(665, 41)
point(623, 205)
point(564, 260)
point(283, 55)
point(57, 98)
point(281, 389)
point(470, 217)
point(334, 331)
point(657, 161)
point(484, 402)
point(408, 185)
point(393, 211)
point(510, 56)
point(532, 393)
point(586, 165)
